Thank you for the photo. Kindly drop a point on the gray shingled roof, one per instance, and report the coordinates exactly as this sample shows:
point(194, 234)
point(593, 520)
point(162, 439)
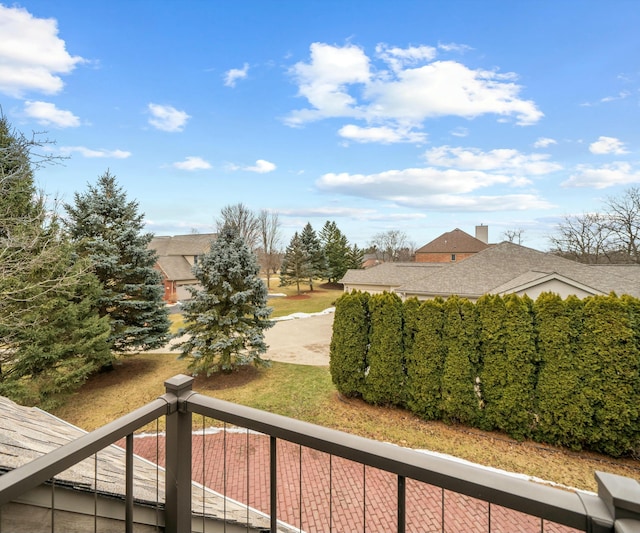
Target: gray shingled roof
point(27, 433)
point(505, 266)
point(173, 251)
point(456, 241)
point(389, 274)
point(189, 245)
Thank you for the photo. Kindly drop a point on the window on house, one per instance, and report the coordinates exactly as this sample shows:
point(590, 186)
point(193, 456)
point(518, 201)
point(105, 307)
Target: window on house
point(453, 257)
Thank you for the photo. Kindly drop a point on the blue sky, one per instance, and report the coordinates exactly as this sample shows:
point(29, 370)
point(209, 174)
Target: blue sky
point(420, 116)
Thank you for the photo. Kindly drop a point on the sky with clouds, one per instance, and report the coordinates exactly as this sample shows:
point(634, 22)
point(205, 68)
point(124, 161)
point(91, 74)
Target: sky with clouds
point(413, 115)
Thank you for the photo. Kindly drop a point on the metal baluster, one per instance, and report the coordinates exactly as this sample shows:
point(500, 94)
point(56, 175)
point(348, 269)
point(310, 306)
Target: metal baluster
point(300, 481)
point(247, 480)
point(364, 498)
point(402, 492)
point(128, 517)
point(95, 493)
point(330, 493)
point(273, 475)
point(489, 516)
point(224, 476)
point(442, 519)
point(204, 524)
point(157, 474)
point(53, 504)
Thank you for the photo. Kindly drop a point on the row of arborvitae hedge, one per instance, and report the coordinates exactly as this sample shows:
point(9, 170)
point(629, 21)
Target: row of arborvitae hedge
point(564, 372)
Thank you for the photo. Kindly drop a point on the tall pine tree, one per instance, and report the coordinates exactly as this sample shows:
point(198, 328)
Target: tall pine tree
point(294, 267)
point(315, 258)
point(336, 250)
point(226, 319)
point(51, 337)
point(108, 230)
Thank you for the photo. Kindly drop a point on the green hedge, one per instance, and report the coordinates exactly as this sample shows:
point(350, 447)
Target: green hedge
point(566, 372)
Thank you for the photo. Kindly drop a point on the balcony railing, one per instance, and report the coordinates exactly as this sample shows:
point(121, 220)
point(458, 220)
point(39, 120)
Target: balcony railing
point(616, 507)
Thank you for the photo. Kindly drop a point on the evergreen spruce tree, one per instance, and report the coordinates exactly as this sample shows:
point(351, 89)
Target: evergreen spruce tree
point(424, 354)
point(349, 343)
point(51, 337)
point(108, 230)
point(294, 267)
point(385, 379)
point(461, 400)
point(226, 319)
point(355, 257)
point(562, 407)
point(336, 250)
point(315, 259)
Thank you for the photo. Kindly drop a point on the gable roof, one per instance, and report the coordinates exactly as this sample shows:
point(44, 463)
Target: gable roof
point(28, 432)
point(506, 266)
point(456, 241)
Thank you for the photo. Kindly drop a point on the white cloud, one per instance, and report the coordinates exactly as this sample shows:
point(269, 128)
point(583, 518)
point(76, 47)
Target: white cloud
point(618, 173)
point(448, 88)
point(167, 118)
point(503, 160)
point(90, 153)
point(341, 82)
point(544, 142)
point(454, 47)
point(400, 58)
point(432, 188)
point(381, 134)
point(460, 132)
point(261, 167)
point(32, 56)
point(48, 114)
point(324, 80)
point(416, 182)
point(235, 74)
point(607, 145)
point(192, 163)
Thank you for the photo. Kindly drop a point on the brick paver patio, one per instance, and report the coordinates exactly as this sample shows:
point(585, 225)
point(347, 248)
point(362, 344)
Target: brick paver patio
point(314, 489)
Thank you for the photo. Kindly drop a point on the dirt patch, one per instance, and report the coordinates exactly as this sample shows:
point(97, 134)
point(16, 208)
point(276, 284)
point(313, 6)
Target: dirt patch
point(221, 380)
point(298, 297)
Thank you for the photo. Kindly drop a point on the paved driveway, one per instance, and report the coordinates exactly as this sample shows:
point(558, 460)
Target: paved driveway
point(303, 341)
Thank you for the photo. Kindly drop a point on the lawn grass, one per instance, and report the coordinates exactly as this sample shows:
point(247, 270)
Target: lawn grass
point(307, 393)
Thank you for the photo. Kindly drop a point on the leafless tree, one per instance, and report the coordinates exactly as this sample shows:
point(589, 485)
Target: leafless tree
point(393, 246)
point(269, 253)
point(513, 235)
point(243, 220)
point(623, 221)
point(585, 238)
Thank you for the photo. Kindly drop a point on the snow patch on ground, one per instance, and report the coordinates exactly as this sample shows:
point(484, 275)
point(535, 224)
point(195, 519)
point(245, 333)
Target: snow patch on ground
point(295, 316)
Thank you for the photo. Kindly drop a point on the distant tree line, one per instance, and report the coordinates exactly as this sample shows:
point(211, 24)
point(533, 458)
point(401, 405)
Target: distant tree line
point(310, 257)
point(609, 236)
point(564, 372)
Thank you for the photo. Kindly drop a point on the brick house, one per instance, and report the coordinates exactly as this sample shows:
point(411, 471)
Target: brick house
point(453, 246)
